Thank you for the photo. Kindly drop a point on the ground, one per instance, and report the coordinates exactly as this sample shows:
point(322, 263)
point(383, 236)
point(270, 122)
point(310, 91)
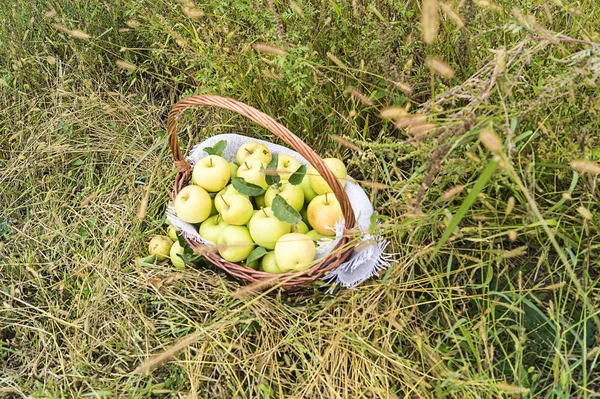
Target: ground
point(491, 210)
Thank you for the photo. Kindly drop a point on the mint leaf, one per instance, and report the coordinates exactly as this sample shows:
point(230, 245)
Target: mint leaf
point(256, 254)
point(271, 175)
point(217, 149)
point(298, 175)
point(246, 188)
point(284, 211)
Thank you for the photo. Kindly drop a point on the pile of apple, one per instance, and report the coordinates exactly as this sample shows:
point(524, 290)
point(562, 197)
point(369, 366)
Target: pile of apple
point(264, 211)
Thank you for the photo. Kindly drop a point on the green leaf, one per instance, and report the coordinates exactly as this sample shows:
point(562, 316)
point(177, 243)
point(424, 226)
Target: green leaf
point(217, 149)
point(256, 254)
point(246, 188)
point(272, 178)
point(78, 162)
point(298, 175)
point(284, 212)
point(189, 255)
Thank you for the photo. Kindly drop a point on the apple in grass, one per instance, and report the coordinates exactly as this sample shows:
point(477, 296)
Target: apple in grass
point(176, 260)
point(266, 229)
point(193, 204)
point(324, 211)
point(212, 227)
point(309, 193)
point(318, 184)
point(212, 173)
point(286, 166)
point(235, 243)
point(160, 246)
point(294, 252)
point(293, 195)
point(269, 264)
point(237, 210)
point(172, 232)
point(253, 172)
point(253, 151)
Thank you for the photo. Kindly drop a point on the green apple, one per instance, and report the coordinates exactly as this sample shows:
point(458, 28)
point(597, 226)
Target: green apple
point(251, 151)
point(316, 236)
point(286, 166)
point(294, 252)
point(269, 264)
point(301, 228)
point(253, 265)
point(293, 195)
point(212, 227)
point(309, 193)
point(227, 192)
point(160, 246)
point(252, 171)
point(212, 173)
point(236, 210)
point(233, 166)
point(235, 243)
point(324, 211)
point(172, 232)
point(318, 184)
point(259, 200)
point(303, 213)
point(176, 260)
point(266, 229)
point(193, 204)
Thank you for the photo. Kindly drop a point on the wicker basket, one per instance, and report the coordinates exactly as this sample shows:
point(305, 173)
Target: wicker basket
point(288, 281)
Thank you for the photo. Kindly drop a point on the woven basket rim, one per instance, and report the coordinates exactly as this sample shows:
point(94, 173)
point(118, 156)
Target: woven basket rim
point(288, 281)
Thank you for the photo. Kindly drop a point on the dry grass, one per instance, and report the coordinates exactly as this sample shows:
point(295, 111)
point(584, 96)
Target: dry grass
point(495, 289)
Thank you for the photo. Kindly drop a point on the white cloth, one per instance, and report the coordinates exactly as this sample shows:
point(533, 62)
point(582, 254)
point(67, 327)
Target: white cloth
point(367, 259)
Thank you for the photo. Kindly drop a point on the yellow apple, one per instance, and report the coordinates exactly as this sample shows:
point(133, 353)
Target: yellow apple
point(212, 227)
point(265, 228)
point(293, 195)
point(294, 252)
point(269, 264)
point(176, 260)
point(236, 210)
point(235, 243)
point(212, 173)
point(227, 192)
point(252, 172)
point(193, 204)
point(324, 211)
point(318, 184)
point(309, 193)
point(286, 166)
point(160, 246)
point(253, 151)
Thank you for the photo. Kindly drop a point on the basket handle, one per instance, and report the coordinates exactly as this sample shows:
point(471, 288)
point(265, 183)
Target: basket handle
point(268, 123)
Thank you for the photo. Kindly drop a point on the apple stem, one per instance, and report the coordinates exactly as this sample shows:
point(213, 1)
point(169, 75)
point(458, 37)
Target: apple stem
point(246, 163)
point(225, 202)
point(210, 161)
point(326, 199)
point(249, 152)
point(263, 211)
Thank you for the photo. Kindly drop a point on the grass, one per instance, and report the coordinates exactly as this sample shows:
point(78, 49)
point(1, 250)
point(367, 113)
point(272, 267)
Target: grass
point(495, 288)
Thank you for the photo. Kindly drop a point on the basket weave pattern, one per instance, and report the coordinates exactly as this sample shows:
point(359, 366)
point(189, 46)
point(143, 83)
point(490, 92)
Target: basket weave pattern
point(288, 281)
